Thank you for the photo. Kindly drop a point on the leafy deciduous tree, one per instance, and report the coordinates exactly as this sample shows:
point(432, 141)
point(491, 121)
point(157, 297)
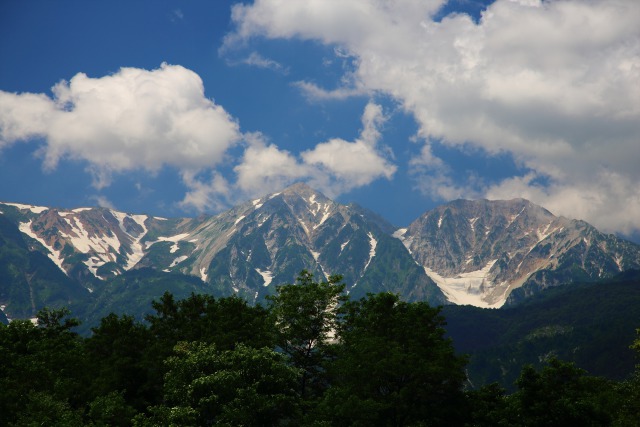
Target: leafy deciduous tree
point(306, 317)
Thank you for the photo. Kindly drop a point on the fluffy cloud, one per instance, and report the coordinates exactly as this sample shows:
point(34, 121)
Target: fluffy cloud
point(137, 119)
point(133, 119)
point(334, 166)
point(553, 83)
point(265, 168)
point(351, 164)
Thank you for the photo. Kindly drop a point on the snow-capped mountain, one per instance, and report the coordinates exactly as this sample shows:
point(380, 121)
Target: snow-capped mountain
point(268, 241)
point(483, 253)
point(85, 243)
point(479, 252)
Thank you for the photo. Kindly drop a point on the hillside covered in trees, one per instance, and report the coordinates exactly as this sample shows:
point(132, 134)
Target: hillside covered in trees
point(310, 357)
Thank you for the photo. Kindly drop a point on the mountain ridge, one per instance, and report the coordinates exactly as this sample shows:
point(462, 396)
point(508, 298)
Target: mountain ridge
point(481, 252)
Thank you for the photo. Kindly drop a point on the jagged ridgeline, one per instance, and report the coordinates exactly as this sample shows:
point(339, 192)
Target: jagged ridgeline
point(482, 253)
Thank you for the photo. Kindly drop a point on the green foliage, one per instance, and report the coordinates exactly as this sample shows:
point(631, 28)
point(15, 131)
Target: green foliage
point(561, 395)
point(394, 367)
point(42, 368)
point(312, 357)
point(111, 410)
point(305, 317)
point(243, 386)
point(29, 279)
point(131, 292)
point(118, 352)
point(589, 324)
point(41, 408)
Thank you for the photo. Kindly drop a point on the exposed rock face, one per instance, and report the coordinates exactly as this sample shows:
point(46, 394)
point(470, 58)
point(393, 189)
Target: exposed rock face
point(484, 253)
point(480, 251)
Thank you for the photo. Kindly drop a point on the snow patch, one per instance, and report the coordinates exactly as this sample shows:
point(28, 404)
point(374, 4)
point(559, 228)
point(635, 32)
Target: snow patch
point(372, 249)
point(325, 216)
point(514, 217)
point(439, 222)
point(84, 243)
point(316, 255)
point(33, 209)
point(467, 288)
point(178, 261)
point(543, 234)
point(342, 246)
point(399, 233)
point(203, 274)
point(54, 255)
point(175, 239)
point(136, 247)
point(267, 276)
point(263, 219)
point(239, 219)
point(76, 210)
point(472, 222)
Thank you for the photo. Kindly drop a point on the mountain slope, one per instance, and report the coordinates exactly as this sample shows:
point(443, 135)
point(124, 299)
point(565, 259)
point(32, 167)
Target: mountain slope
point(479, 252)
point(591, 324)
point(247, 250)
point(483, 253)
point(268, 241)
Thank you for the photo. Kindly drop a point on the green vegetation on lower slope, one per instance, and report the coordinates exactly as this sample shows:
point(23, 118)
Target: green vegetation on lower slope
point(311, 357)
point(589, 324)
point(29, 280)
point(132, 292)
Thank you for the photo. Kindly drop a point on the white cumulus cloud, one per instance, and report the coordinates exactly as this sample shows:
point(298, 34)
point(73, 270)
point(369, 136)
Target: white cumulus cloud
point(132, 119)
point(138, 119)
point(334, 166)
point(552, 83)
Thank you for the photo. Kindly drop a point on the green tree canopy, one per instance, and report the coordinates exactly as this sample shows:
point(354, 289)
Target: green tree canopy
point(243, 386)
point(394, 367)
point(305, 316)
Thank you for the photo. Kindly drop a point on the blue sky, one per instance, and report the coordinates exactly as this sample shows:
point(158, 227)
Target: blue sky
point(176, 108)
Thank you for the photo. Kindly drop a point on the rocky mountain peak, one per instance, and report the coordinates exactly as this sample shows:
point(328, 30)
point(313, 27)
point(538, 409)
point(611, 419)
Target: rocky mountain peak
point(485, 253)
point(480, 251)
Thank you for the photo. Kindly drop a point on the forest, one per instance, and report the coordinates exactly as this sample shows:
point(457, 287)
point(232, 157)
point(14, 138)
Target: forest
point(310, 356)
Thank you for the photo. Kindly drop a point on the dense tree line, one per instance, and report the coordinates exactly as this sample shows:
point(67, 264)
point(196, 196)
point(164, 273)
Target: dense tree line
point(311, 357)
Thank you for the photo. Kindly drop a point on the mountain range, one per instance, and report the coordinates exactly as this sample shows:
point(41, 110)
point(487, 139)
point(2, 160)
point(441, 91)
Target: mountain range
point(481, 253)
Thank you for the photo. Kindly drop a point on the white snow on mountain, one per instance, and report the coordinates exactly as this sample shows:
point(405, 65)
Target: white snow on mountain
point(178, 260)
point(33, 209)
point(53, 254)
point(372, 249)
point(257, 204)
point(467, 288)
point(136, 247)
point(175, 239)
point(83, 242)
point(267, 276)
